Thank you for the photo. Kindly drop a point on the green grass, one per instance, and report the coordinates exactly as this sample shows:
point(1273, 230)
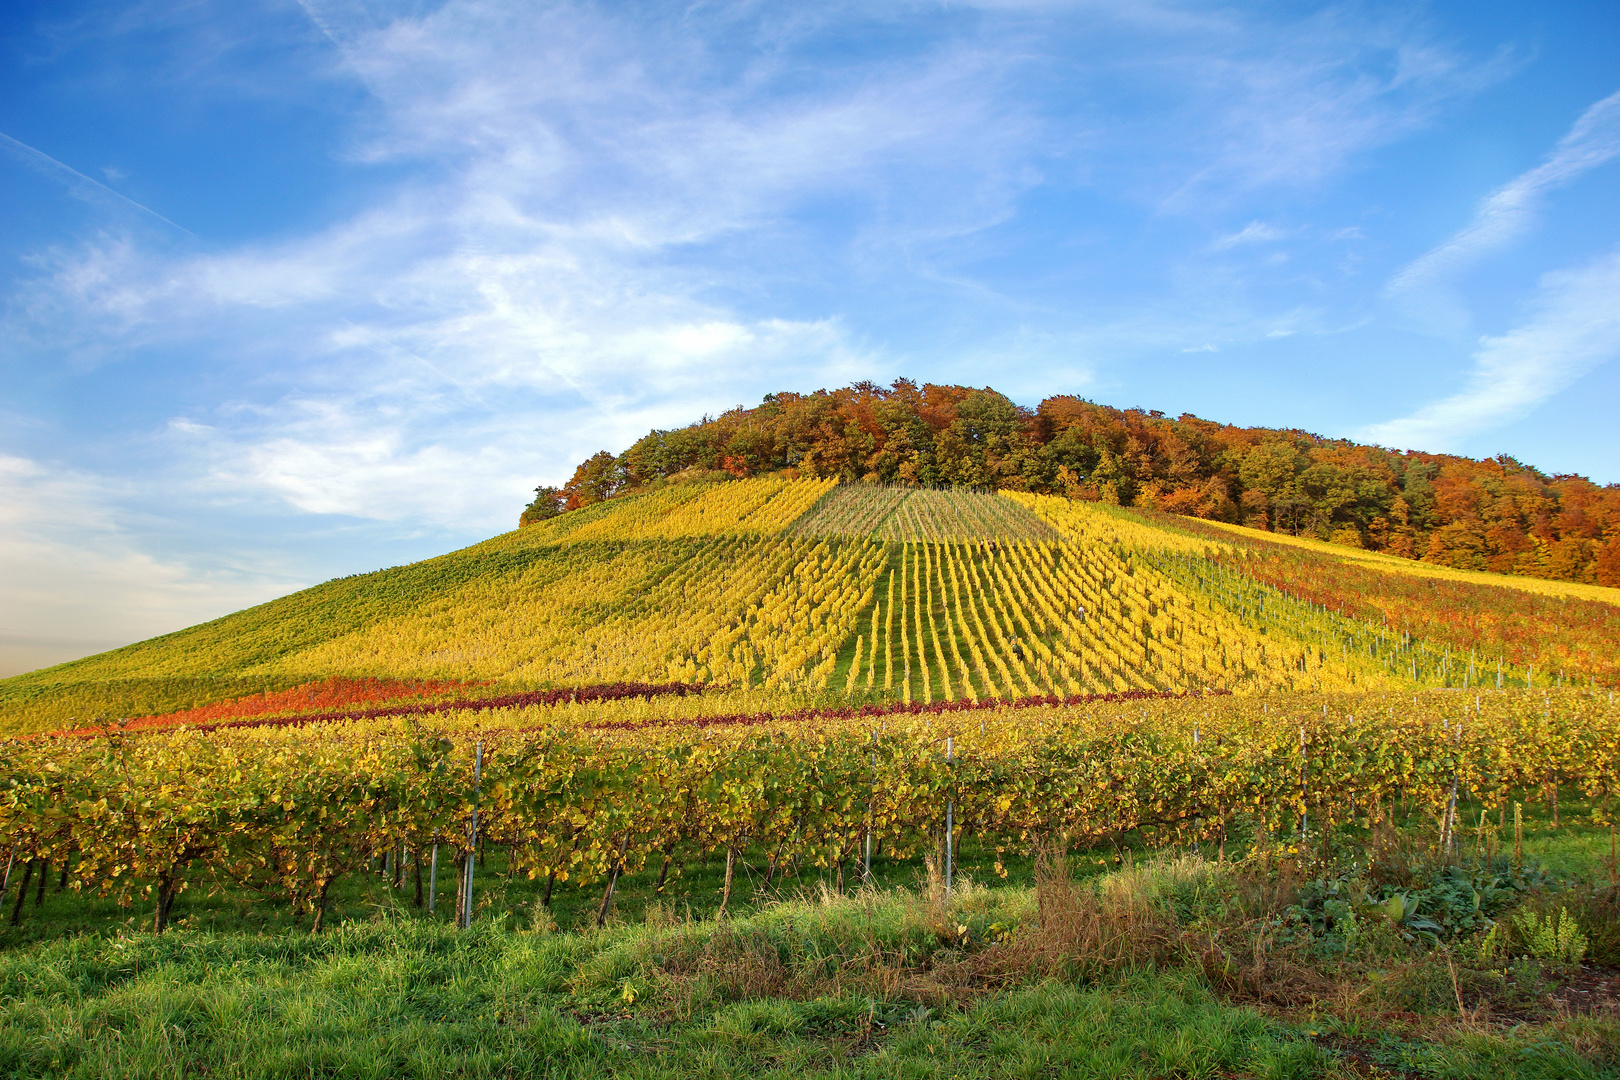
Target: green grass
point(798, 981)
point(399, 997)
point(404, 999)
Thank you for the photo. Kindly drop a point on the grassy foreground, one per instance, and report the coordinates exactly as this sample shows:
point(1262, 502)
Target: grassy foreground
point(1174, 966)
point(408, 999)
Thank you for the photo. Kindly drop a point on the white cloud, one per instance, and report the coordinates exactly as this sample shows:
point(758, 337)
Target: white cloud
point(1423, 287)
point(1293, 103)
point(1255, 232)
point(417, 449)
point(1575, 328)
point(594, 198)
point(73, 581)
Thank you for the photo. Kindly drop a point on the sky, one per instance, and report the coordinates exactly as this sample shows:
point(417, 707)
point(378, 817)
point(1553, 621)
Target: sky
point(290, 291)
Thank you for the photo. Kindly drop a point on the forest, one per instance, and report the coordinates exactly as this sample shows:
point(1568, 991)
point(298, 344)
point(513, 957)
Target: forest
point(1495, 514)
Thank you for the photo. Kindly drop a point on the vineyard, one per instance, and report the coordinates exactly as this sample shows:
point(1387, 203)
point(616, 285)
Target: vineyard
point(577, 791)
point(856, 592)
point(725, 695)
point(713, 665)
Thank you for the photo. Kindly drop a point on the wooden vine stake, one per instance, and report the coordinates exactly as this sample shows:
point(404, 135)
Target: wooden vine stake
point(433, 875)
point(613, 879)
point(465, 897)
point(950, 810)
point(866, 860)
point(1304, 791)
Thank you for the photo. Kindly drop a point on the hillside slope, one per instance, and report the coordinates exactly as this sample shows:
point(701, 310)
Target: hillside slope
point(858, 591)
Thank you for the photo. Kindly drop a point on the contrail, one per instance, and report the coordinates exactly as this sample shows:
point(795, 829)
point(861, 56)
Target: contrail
point(320, 23)
point(40, 158)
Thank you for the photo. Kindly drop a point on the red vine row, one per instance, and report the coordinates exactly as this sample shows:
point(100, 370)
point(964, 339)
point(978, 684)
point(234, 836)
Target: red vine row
point(916, 708)
point(569, 694)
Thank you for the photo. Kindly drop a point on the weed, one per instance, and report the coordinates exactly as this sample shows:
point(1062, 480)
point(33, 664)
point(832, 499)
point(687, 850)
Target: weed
point(1556, 937)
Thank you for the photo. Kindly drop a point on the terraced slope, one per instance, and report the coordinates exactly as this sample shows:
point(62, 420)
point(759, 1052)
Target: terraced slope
point(910, 514)
point(791, 586)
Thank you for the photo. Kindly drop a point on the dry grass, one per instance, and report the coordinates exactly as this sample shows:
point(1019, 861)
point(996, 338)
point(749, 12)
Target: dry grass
point(1094, 929)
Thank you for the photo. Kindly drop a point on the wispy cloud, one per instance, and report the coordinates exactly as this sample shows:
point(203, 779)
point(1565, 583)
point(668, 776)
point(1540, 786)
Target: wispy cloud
point(1574, 328)
point(1255, 232)
point(1293, 103)
point(1424, 285)
point(78, 582)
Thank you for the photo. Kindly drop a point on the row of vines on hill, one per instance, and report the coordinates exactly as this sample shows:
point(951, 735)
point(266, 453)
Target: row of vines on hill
point(1382, 629)
point(285, 813)
point(895, 593)
point(1524, 629)
point(832, 606)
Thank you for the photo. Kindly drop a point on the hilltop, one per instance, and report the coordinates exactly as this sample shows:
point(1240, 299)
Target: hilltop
point(809, 591)
point(1496, 514)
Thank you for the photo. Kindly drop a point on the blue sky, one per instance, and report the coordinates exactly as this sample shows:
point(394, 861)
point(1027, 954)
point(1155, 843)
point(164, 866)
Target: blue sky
point(294, 290)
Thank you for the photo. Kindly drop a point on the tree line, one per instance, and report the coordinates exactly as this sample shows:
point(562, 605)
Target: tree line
point(1491, 514)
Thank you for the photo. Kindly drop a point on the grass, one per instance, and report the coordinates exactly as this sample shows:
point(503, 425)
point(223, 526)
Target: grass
point(404, 999)
point(1108, 963)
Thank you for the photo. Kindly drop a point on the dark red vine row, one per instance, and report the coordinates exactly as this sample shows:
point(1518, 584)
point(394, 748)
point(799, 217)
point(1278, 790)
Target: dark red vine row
point(915, 708)
point(620, 691)
point(568, 694)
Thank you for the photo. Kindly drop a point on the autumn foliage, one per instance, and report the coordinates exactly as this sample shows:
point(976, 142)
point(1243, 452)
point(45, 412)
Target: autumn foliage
point(284, 813)
point(1496, 514)
point(336, 695)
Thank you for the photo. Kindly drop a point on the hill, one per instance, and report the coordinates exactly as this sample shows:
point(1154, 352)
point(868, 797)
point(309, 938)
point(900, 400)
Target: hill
point(811, 590)
point(1492, 515)
point(691, 720)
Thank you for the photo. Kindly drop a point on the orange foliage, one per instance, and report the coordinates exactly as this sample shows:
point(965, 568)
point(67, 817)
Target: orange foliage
point(1496, 514)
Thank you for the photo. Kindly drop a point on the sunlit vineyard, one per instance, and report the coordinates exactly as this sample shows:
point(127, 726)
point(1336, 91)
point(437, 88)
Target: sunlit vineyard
point(762, 507)
point(1534, 631)
point(579, 796)
point(856, 593)
point(912, 515)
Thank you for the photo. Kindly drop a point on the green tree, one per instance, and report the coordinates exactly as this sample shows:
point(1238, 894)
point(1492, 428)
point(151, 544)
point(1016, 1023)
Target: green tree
point(598, 477)
point(548, 503)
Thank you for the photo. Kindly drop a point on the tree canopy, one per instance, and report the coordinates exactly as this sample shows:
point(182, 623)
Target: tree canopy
point(1492, 514)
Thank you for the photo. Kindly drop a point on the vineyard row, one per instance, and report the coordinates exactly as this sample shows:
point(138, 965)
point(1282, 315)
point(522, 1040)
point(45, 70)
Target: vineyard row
point(284, 813)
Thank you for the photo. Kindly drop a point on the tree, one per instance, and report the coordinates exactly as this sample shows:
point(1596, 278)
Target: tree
point(548, 503)
point(599, 477)
point(1496, 514)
